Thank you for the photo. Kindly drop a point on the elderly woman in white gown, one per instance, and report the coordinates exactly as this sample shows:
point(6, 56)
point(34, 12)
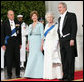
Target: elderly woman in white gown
point(52, 59)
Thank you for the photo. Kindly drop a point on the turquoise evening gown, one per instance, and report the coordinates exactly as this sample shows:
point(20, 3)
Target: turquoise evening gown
point(34, 67)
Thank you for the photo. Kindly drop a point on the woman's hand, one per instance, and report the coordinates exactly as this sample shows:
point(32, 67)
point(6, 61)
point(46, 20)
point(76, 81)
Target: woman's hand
point(42, 48)
point(42, 45)
point(27, 47)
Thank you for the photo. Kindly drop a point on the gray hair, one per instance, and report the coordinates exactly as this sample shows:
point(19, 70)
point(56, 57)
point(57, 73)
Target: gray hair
point(9, 11)
point(49, 13)
point(64, 5)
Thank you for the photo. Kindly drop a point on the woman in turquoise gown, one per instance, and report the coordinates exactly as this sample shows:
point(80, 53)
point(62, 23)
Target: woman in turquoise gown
point(34, 67)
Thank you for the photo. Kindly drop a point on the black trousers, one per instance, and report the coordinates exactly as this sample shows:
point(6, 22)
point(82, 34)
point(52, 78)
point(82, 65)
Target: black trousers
point(68, 59)
point(13, 55)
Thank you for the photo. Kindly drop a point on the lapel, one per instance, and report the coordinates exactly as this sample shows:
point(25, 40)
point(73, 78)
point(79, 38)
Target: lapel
point(59, 21)
point(65, 19)
point(15, 23)
point(8, 23)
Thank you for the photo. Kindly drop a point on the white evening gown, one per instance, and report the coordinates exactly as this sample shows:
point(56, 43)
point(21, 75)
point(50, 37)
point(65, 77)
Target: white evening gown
point(52, 55)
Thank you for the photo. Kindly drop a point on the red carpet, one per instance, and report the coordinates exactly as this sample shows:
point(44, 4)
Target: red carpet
point(78, 77)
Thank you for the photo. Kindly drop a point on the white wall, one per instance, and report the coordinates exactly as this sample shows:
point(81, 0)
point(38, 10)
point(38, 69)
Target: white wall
point(77, 8)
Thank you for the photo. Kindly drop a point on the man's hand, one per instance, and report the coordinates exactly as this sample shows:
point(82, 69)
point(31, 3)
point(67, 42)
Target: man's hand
point(71, 42)
point(27, 47)
point(42, 48)
point(20, 46)
point(4, 47)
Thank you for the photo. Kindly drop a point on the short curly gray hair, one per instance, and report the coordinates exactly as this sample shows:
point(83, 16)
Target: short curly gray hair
point(49, 14)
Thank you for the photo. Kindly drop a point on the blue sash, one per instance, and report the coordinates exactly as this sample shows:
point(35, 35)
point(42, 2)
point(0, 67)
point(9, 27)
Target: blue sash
point(45, 34)
point(7, 37)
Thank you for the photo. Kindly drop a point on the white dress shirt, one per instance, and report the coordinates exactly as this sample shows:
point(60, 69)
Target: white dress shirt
point(61, 22)
point(12, 24)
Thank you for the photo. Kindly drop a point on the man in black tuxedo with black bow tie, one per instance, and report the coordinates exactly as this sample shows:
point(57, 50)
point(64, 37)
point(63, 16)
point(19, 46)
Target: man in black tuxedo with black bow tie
point(67, 30)
point(11, 42)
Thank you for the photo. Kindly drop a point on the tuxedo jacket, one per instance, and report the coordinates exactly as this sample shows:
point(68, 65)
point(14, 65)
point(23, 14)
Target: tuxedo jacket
point(6, 31)
point(69, 26)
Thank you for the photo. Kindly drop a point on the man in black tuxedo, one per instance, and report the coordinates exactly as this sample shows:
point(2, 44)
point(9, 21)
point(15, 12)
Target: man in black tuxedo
point(67, 30)
point(11, 42)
